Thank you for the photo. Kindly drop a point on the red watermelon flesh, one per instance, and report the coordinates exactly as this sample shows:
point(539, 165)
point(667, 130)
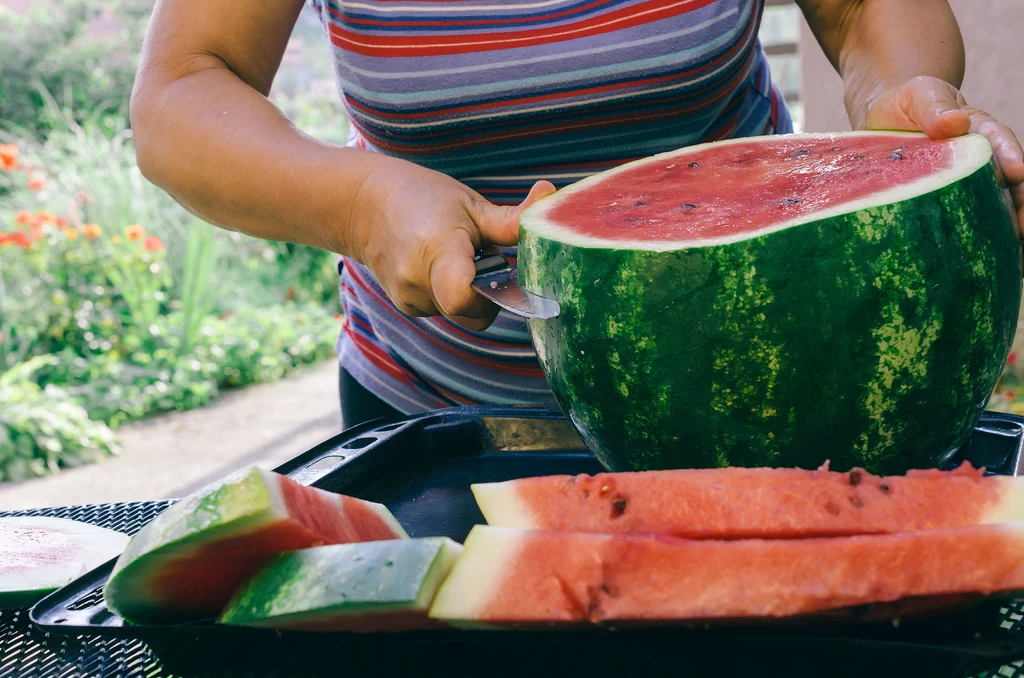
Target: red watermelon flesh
point(188, 562)
point(508, 577)
point(738, 503)
point(722, 188)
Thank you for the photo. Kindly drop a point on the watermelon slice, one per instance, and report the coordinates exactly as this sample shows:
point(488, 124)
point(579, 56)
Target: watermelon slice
point(190, 559)
point(380, 586)
point(738, 503)
point(40, 555)
point(508, 577)
point(778, 301)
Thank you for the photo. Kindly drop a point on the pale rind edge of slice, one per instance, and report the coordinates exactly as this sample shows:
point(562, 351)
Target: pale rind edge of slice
point(487, 554)
point(501, 506)
point(1010, 508)
point(971, 153)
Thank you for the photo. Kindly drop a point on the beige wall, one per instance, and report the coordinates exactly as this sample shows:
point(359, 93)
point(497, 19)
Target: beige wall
point(993, 33)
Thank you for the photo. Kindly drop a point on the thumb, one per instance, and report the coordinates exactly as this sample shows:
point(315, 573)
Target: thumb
point(927, 104)
point(499, 225)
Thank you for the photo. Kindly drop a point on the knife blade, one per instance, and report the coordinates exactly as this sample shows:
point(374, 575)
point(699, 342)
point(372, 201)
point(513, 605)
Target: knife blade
point(498, 281)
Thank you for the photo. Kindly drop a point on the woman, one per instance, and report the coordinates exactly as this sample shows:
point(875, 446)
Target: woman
point(462, 113)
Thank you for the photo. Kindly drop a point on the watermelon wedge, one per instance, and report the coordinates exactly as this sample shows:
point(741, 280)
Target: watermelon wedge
point(188, 562)
point(738, 503)
point(507, 577)
point(378, 586)
point(40, 555)
point(778, 301)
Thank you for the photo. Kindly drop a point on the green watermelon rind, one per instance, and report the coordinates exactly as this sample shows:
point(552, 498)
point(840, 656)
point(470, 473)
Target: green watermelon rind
point(344, 580)
point(240, 503)
point(695, 354)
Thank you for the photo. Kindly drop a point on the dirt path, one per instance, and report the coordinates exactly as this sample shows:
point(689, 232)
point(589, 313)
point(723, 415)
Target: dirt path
point(172, 454)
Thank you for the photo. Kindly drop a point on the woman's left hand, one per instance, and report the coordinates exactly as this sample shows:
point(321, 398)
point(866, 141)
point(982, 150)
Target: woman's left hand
point(940, 110)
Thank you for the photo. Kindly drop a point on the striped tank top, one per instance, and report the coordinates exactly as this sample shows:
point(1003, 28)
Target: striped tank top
point(501, 93)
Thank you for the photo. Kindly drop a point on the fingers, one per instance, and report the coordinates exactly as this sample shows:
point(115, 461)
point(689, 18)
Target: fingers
point(451, 272)
point(1005, 145)
point(923, 103)
point(1017, 192)
point(499, 225)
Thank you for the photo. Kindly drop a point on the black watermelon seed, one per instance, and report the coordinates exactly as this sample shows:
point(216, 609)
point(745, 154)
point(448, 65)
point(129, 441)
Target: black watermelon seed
point(902, 148)
point(858, 157)
point(855, 477)
point(896, 156)
point(792, 201)
point(695, 164)
point(688, 206)
point(631, 219)
point(834, 149)
point(640, 203)
point(797, 154)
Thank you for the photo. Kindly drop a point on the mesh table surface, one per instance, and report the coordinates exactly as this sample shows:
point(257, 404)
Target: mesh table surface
point(26, 652)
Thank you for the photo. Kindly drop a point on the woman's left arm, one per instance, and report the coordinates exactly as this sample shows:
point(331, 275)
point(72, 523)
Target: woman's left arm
point(902, 63)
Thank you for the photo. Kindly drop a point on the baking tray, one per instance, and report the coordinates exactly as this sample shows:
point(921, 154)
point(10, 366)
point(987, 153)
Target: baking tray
point(421, 468)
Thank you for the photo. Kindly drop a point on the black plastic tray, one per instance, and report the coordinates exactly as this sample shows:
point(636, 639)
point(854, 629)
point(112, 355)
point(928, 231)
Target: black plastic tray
point(421, 468)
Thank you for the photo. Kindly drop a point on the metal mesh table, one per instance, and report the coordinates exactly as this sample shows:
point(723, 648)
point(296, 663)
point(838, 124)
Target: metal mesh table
point(28, 653)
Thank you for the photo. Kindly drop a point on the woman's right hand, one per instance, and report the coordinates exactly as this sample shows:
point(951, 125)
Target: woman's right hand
point(418, 231)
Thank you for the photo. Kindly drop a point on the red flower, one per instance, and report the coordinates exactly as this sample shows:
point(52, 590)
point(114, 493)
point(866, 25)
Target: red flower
point(37, 183)
point(134, 232)
point(8, 156)
point(1012, 358)
point(23, 218)
point(60, 222)
point(18, 238)
point(153, 243)
point(1010, 395)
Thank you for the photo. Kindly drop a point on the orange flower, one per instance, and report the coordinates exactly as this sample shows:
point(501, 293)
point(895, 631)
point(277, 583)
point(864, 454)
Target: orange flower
point(44, 217)
point(18, 238)
point(115, 238)
point(70, 234)
point(37, 183)
point(135, 232)
point(153, 243)
point(60, 222)
point(91, 231)
point(23, 218)
point(8, 156)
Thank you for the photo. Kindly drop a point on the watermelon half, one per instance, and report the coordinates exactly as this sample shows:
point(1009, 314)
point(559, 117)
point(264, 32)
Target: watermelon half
point(40, 555)
point(189, 560)
point(778, 301)
point(378, 586)
point(511, 578)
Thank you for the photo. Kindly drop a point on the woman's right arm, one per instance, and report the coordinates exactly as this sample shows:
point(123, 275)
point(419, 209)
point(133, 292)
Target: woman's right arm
point(207, 134)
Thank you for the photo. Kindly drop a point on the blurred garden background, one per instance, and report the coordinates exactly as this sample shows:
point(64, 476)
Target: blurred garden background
point(116, 305)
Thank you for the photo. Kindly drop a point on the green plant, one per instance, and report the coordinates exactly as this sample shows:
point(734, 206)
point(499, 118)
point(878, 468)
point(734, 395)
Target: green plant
point(67, 50)
point(42, 429)
point(196, 301)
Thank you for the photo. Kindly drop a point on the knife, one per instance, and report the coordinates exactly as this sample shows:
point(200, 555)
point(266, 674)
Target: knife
point(498, 281)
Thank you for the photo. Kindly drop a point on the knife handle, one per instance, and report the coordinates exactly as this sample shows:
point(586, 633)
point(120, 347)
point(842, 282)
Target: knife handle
point(489, 263)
